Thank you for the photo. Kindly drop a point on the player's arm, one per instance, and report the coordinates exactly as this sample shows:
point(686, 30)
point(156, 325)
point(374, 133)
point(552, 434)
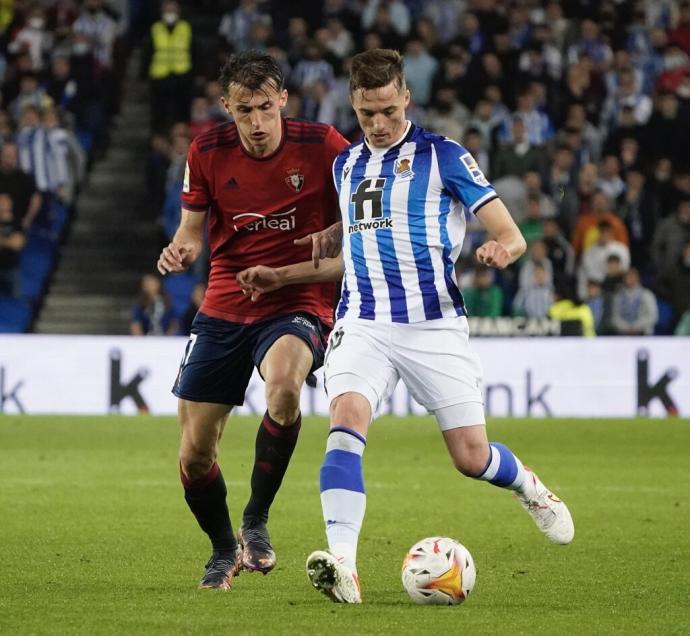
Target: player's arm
point(185, 246)
point(261, 279)
point(506, 243)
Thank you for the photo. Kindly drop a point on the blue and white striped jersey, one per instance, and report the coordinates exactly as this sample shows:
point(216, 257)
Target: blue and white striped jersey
point(403, 211)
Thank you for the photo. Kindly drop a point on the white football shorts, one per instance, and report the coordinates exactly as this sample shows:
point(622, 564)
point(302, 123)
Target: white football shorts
point(433, 358)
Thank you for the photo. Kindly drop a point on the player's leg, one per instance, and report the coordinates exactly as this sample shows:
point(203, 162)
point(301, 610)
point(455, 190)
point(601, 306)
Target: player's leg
point(204, 487)
point(213, 376)
point(284, 368)
point(359, 376)
point(474, 456)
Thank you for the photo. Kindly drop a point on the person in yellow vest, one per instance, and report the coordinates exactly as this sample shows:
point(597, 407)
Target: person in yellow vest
point(575, 316)
point(169, 63)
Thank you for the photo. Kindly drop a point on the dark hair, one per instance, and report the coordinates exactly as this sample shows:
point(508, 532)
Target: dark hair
point(251, 69)
point(376, 68)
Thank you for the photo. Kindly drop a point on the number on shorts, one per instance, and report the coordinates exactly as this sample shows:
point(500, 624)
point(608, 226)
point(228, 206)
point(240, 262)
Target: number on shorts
point(334, 342)
point(188, 348)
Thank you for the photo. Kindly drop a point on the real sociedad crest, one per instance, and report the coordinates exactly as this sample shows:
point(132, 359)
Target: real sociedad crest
point(402, 169)
point(295, 179)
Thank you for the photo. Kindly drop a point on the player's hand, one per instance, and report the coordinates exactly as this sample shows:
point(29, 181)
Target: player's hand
point(176, 258)
point(324, 244)
point(258, 280)
point(494, 254)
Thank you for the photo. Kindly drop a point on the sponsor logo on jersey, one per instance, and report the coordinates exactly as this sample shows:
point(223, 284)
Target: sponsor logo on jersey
point(295, 179)
point(376, 224)
point(255, 221)
point(474, 170)
point(402, 169)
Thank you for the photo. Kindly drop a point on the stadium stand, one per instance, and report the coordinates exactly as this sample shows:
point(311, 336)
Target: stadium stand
point(577, 112)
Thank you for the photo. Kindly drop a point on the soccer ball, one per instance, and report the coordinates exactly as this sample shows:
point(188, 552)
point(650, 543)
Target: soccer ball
point(438, 571)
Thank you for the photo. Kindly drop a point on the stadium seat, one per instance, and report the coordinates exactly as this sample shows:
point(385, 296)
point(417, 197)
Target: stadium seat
point(665, 321)
point(179, 287)
point(15, 315)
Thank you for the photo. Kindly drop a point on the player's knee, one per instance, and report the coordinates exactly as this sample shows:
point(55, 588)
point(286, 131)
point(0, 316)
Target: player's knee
point(196, 463)
point(282, 398)
point(350, 409)
point(470, 458)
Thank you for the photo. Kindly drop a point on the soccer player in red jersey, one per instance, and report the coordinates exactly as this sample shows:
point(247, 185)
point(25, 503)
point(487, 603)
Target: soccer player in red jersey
point(260, 182)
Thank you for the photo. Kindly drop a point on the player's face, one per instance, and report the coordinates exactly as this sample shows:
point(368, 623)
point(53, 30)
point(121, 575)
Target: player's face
point(381, 113)
point(257, 115)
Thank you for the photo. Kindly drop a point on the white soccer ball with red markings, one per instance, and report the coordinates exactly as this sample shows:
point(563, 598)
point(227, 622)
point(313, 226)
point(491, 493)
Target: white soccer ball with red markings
point(438, 571)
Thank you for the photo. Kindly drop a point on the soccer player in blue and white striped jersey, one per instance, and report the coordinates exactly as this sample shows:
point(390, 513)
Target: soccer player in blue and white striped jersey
point(403, 193)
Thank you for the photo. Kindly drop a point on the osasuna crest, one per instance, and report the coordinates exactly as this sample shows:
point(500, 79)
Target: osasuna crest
point(295, 179)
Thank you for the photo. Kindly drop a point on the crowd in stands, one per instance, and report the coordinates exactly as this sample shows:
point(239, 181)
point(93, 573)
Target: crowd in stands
point(578, 112)
point(61, 67)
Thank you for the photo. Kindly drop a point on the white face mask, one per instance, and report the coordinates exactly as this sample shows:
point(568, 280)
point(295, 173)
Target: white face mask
point(170, 18)
point(37, 23)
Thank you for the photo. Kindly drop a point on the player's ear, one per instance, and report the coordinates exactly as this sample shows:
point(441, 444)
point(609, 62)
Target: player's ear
point(407, 97)
point(282, 101)
point(225, 105)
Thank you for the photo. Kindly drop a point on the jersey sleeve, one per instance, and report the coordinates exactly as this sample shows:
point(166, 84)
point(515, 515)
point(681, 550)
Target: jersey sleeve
point(462, 176)
point(196, 194)
point(334, 143)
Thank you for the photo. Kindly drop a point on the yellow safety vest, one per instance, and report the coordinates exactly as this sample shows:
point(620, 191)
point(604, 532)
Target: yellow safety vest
point(171, 50)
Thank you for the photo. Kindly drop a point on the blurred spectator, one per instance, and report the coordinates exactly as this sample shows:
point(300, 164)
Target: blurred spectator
point(484, 298)
point(561, 174)
point(683, 326)
point(100, 29)
point(33, 38)
point(447, 116)
point(532, 227)
point(201, 118)
point(667, 133)
point(639, 209)
point(157, 164)
point(575, 317)
point(536, 257)
point(558, 250)
point(473, 143)
point(594, 259)
point(519, 155)
point(486, 122)
point(236, 26)
point(634, 311)
point(168, 57)
point(535, 300)
point(591, 44)
point(674, 282)
point(152, 315)
point(19, 185)
point(312, 68)
point(595, 301)
point(11, 243)
point(610, 181)
point(420, 68)
point(31, 95)
point(587, 227)
point(340, 41)
point(671, 235)
point(627, 94)
point(384, 14)
point(661, 186)
point(538, 127)
point(194, 304)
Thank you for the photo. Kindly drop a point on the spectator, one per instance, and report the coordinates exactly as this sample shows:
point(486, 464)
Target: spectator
point(532, 227)
point(152, 315)
point(11, 244)
point(536, 257)
point(535, 300)
point(391, 13)
point(594, 259)
point(201, 118)
point(447, 116)
point(484, 298)
point(538, 127)
point(575, 317)
point(634, 311)
point(594, 299)
point(33, 38)
point(558, 250)
point(194, 303)
point(518, 156)
point(31, 95)
point(236, 26)
point(610, 181)
point(19, 185)
point(587, 227)
point(420, 68)
point(671, 235)
point(674, 282)
point(312, 68)
point(473, 143)
point(168, 57)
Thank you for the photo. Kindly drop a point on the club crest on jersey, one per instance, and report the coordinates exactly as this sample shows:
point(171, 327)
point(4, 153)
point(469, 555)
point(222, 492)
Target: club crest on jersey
point(474, 170)
point(295, 179)
point(402, 169)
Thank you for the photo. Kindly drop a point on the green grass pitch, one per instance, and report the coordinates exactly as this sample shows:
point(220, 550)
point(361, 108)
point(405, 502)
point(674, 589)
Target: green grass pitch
point(96, 538)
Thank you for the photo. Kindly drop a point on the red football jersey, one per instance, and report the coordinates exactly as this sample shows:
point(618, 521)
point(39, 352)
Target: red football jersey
point(257, 207)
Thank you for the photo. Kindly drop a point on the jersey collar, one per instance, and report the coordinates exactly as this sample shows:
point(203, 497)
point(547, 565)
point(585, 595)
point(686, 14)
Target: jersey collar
point(409, 129)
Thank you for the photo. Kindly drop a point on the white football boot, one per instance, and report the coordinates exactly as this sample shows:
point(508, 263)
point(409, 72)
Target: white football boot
point(328, 575)
point(549, 513)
